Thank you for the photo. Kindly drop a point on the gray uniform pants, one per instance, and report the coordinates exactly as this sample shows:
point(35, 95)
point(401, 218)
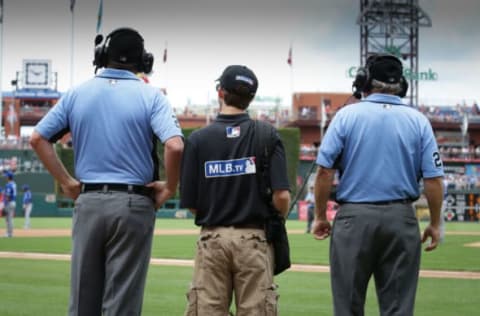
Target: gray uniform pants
point(112, 239)
point(9, 213)
point(378, 240)
point(27, 208)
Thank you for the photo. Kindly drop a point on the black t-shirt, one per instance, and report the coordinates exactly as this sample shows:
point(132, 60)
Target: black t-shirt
point(218, 176)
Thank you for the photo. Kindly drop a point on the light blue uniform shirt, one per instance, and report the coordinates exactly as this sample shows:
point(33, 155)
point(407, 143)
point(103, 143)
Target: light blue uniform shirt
point(112, 118)
point(382, 149)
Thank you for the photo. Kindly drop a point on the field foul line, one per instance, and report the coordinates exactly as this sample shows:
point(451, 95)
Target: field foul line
point(189, 263)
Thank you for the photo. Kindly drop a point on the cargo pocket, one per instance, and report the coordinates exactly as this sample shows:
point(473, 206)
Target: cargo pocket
point(271, 301)
point(253, 253)
point(192, 306)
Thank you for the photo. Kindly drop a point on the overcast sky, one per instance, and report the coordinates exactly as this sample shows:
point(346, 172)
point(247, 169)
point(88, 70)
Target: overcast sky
point(204, 36)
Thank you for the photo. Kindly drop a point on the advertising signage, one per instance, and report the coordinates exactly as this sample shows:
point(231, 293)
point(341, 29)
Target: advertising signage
point(462, 207)
point(426, 75)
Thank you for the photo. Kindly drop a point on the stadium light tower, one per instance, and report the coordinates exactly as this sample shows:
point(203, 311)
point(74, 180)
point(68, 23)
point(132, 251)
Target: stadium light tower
point(391, 26)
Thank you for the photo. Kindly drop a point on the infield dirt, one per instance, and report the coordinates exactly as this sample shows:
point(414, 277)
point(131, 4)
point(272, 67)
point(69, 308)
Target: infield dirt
point(177, 262)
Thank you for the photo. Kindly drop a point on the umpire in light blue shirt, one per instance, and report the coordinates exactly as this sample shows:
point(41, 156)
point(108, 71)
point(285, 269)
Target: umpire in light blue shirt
point(381, 149)
point(115, 120)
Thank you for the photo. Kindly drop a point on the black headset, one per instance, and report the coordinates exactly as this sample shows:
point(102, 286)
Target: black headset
point(363, 81)
point(145, 64)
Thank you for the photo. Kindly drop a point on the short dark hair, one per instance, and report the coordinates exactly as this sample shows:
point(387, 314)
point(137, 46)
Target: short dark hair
point(382, 87)
point(239, 101)
point(117, 65)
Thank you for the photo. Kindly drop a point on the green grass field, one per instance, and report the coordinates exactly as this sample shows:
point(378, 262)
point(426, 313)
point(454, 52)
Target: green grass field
point(31, 287)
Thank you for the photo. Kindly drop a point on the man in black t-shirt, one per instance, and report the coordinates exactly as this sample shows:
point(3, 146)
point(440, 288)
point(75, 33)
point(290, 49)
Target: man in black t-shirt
point(219, 186)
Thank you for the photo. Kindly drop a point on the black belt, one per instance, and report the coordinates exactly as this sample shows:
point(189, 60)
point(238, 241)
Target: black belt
point(399, 201)
point(249, 226)
point(107, 187)
point(237, 226)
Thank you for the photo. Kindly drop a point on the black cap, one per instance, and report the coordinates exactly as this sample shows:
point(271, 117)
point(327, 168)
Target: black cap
point(239, 80)
point(385, 68)
point(125, 46)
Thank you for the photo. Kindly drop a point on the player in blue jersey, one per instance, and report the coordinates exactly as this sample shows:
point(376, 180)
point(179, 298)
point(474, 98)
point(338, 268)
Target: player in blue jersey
point(382, 149)
point(115, 120)
point(9, 202)
point(27, 205)
point(310, 199)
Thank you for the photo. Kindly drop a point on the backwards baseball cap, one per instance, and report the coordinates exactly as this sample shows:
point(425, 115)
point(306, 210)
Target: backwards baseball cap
point(385, 68)
point(239, 80)
point(125, 46)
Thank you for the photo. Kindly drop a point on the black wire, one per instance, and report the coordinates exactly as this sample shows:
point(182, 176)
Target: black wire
point(305, 180)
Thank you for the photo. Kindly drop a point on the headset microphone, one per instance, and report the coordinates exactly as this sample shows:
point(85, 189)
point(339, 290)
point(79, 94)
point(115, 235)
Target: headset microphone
point(98, 39)
point(98, 52)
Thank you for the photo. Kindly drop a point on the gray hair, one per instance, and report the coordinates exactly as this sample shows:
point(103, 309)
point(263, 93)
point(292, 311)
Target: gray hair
point(387, 88)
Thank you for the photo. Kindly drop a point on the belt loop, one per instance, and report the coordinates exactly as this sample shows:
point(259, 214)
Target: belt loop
point(105, 188)
point(130, 189)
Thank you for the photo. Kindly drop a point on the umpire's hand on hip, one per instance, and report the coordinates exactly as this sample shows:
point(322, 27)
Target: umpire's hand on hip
point(72, 188)
point(162, 192)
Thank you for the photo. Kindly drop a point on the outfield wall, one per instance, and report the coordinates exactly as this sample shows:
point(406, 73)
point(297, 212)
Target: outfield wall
point(45, 205)
point(461, 205)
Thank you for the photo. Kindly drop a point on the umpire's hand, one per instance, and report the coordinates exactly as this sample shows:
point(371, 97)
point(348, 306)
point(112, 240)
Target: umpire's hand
point(434, 233)
point(162, 192)
point(71, 188)
point(321, 228)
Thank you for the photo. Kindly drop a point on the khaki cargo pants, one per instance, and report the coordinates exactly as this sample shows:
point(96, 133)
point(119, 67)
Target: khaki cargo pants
point(232, 260)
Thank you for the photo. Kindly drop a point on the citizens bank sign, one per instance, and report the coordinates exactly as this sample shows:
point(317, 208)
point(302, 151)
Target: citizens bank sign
point(427, 75)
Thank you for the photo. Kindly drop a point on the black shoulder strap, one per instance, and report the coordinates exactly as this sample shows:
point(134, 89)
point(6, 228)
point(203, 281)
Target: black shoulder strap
point(155, 159)
point(264, 144)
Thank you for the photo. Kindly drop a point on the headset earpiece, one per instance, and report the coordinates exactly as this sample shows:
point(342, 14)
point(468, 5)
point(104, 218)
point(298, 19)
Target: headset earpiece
point(404, 87)
point(147, 62)
point(360, 82)
point(100, 53)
